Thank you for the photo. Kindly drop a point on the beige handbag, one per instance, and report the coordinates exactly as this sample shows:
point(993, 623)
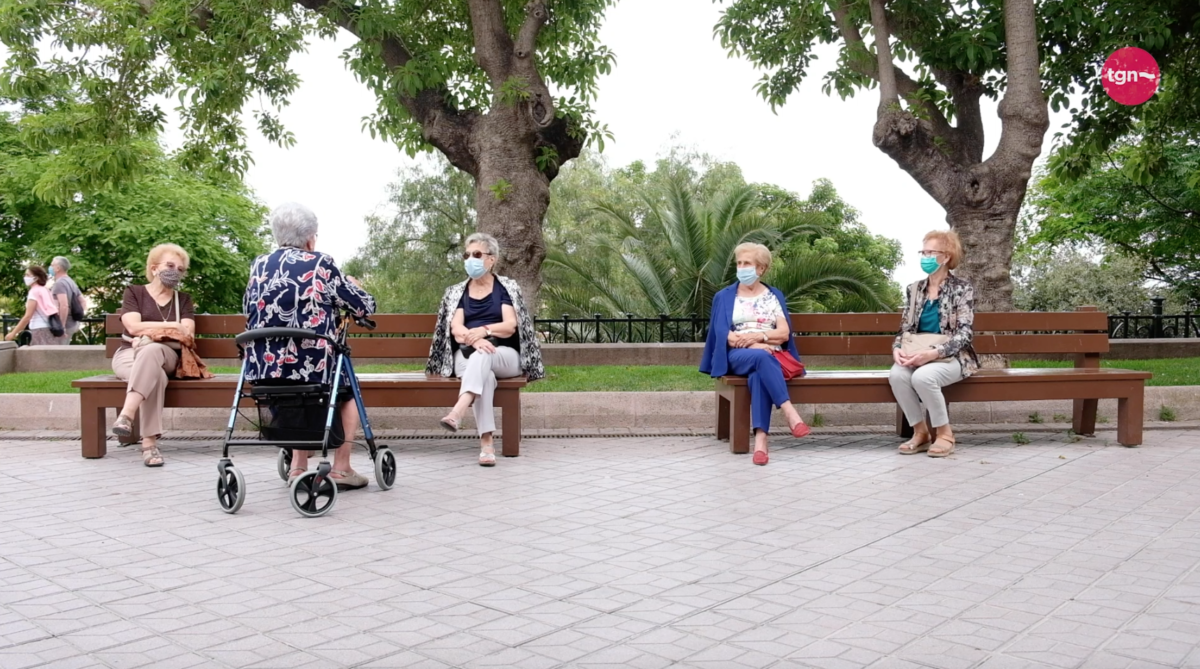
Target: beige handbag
point(913, 343)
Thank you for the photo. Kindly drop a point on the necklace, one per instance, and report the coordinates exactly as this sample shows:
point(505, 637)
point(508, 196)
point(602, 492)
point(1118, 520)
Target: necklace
point(159, 306)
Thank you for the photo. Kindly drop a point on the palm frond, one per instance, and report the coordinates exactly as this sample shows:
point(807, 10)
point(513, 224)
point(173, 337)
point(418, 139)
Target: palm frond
point(804, 278)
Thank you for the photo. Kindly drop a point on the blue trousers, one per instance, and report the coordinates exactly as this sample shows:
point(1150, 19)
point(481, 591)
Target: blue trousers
point(765, 379)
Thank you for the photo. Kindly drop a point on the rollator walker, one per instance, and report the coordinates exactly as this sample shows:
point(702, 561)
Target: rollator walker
point(288, 418)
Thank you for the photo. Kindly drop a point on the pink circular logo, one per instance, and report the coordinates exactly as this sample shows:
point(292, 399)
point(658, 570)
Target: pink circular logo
point(1130, 76)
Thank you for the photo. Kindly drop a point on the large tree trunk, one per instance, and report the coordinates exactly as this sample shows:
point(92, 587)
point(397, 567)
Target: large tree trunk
point(982, 198)
point(499, 148)
point(511, 198)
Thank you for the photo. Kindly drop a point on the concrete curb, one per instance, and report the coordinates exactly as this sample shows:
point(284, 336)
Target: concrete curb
point(692, 411)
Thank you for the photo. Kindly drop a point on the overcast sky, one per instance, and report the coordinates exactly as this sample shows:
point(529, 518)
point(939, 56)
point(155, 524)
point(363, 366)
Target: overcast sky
point(672, 78)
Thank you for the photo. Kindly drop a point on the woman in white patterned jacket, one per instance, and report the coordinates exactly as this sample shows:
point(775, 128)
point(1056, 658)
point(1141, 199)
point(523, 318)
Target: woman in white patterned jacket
point(484, 333)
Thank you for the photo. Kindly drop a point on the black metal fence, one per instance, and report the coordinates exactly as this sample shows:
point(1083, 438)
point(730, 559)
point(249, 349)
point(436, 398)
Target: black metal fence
point(630, 329)
point(1153, 326)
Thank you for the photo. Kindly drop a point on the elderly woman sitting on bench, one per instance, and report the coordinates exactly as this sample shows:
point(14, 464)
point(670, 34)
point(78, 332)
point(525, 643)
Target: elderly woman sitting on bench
point(750, 334)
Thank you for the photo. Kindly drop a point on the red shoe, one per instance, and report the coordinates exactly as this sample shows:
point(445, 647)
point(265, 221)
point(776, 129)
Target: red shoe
point(800, 430)
point(761, 457)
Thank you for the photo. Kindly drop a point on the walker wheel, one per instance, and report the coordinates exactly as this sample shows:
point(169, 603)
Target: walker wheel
point(385, 468)
point(283, 463)
point(231, 489)
point(312, 498)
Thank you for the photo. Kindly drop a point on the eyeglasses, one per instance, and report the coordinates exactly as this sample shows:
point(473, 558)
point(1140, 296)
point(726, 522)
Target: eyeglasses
point(475, 254)
point(930, 254)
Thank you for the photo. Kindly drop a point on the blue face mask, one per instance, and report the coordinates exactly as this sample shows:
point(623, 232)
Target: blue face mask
point(930, 265)
point(51, 272)
point(475, 267)
point(747, 275)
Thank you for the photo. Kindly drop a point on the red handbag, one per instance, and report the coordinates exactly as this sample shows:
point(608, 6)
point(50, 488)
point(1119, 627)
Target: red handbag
point(791, 366)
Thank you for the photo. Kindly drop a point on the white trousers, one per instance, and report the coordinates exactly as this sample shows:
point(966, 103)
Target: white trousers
point(920, 389)
point(479, 374)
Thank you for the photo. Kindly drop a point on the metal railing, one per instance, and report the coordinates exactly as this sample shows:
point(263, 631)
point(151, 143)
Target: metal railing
point(631, 329)
point(1155, 325)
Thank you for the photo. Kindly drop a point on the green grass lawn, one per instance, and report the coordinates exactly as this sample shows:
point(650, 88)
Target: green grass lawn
point(1167, 372)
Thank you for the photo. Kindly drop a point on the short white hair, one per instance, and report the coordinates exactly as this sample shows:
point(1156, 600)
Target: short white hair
point(62, 263)
point(489, 242)
point(293, 224)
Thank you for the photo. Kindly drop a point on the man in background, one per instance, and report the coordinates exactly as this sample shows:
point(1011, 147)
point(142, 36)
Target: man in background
point(70, 299)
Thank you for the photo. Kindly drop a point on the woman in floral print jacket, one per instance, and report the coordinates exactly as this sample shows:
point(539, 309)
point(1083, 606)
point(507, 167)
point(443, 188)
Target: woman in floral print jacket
point(942, 304)
point(298, 287)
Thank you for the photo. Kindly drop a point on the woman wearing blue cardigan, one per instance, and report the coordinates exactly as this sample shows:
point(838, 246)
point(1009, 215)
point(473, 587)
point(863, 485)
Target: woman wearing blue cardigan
point(749, 323)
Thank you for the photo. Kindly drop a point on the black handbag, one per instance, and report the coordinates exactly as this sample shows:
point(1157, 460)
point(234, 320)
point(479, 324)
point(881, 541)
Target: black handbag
point(56, 325)
point(468, 350)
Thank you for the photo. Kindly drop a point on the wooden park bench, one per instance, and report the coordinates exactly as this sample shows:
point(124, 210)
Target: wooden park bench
point(1083, 334)
point(396, 337)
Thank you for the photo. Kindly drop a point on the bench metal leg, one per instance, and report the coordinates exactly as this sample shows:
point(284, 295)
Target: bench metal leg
point(723, 410)
point(740, 437)
point(510, 424)
point(1129, 419)
point(91, 426)
point(903, 429)
point(1084, 419)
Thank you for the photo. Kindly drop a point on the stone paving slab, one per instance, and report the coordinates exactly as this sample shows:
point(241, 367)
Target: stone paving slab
point(613, 552)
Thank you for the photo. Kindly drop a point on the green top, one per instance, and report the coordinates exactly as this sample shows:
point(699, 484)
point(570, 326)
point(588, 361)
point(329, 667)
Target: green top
point(930, 320)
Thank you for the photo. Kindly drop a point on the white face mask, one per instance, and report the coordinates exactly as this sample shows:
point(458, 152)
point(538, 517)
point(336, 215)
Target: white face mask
point(29, 281)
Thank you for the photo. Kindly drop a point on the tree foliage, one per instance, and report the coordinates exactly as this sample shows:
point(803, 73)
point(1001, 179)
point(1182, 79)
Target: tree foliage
point(1156, 223)
point(213, 59)
point(676, 257)
point(107, 234)
point(412, 255)
point(1067, 277)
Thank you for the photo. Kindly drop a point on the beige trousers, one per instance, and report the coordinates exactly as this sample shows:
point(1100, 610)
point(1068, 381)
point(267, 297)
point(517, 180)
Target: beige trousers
point(147, 369)
point(479, 373)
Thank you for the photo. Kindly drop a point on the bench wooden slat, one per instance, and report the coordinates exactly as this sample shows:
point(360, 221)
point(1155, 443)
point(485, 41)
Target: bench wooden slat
point(362, 347)
point(1069, 321)
point(983, 343)
point(859, 377)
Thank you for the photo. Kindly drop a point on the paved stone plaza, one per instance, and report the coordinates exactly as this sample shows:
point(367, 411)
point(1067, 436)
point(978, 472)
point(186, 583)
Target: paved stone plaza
point(633, 552)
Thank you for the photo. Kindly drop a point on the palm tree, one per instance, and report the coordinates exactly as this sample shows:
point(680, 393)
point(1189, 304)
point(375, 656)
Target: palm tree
point(681, 254)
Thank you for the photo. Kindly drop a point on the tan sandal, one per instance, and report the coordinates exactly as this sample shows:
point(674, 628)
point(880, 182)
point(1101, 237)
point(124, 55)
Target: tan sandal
point(913, 446)
point(152, 457)
point(942, 447)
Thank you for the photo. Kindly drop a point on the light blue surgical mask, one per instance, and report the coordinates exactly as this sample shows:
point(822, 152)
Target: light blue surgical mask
point(50, 271)
point(475, 267)
point(747, 275)
point(930, 265)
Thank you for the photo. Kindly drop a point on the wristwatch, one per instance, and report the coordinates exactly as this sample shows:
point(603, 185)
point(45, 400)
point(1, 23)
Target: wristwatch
point(487, 331)
point(766, 339)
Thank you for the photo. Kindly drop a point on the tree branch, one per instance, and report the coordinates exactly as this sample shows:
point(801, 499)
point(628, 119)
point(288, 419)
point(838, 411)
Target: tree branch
point(536, 16)
point(888, 95)
point(443, 126)
point(906, 87)
point(493, 44)
point(1023, 109)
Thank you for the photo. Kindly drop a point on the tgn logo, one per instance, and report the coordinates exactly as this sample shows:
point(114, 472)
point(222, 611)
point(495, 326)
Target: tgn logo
point(1121, 77)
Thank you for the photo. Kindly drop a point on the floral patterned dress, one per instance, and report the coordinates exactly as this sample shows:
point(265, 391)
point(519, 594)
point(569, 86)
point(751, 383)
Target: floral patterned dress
point(298, 289)
point(756, 314)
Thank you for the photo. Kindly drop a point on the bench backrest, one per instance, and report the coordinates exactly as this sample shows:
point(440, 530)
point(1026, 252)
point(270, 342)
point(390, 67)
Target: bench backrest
point(1083, 332)
point(396, 336)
